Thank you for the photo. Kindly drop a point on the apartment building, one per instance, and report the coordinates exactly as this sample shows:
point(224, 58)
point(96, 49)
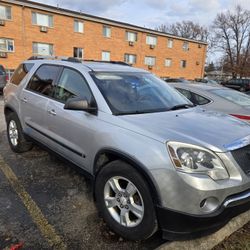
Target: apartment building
point(28, 28)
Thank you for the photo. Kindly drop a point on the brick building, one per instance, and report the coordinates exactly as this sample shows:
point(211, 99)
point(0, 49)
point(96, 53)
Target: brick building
point(29, 28)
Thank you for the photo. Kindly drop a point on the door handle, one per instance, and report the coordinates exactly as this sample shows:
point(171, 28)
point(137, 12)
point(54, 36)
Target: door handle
point(52, 112)
point(24, 100)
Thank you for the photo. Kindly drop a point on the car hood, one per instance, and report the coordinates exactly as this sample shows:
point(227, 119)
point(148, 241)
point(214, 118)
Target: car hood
point(209, 129)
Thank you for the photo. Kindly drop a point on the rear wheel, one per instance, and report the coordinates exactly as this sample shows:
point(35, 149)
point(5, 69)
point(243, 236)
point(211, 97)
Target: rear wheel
point(16, 138)
point(124, 201)
point(242, 89)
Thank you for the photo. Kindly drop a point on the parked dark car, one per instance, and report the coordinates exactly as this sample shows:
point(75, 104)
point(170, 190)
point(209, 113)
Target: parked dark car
point(242, 85)
point(206, 81)
point(3, 78)
point(176, 80)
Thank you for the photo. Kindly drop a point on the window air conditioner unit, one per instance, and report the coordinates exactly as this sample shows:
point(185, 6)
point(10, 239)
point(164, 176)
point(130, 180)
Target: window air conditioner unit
point(150, 66)
point(3, 54)
point(131, 43)
point(44, 29)
point(2, 22)
point(152, 46)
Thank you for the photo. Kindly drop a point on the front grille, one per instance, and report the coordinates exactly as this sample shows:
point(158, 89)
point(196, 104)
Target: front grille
point(242, 157)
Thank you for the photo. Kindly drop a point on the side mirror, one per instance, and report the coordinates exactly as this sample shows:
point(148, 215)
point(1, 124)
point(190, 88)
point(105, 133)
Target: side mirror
point(78, 103)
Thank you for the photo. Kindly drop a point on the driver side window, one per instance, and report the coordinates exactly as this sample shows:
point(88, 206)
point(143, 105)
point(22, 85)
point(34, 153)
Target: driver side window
point(72, 84)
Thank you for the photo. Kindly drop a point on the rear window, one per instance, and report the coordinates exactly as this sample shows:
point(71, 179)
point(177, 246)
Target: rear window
point(21, 72)
point(233, 96)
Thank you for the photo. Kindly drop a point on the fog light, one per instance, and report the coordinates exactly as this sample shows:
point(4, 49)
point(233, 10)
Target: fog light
point(209, 204)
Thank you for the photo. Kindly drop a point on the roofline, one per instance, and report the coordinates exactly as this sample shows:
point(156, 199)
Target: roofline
point(80, 15)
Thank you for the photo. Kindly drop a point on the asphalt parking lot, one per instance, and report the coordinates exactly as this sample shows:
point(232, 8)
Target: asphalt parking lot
point(46, 204)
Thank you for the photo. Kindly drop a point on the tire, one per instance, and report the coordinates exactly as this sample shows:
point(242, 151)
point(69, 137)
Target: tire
point(133, 227)
point(242, 89)
point(15, 135)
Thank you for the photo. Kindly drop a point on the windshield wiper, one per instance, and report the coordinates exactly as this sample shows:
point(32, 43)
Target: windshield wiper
point(181, 106)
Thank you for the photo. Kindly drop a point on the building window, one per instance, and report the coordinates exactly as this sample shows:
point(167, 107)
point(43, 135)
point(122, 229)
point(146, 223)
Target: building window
point(151, 40)
point(150, 60)
point(130, 59)
point(106, 31)
point(131, 36)
point(183, 63)
point(170, 43)
point(78, 52)
point(42, 19)
point(6, 45)
point(43, 49)
point(105, 56)
point(78, 26)
point(168, 62)
point(5, 12)
point(185, 46)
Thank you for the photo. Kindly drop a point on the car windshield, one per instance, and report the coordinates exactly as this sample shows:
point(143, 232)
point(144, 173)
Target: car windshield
point(233, 96)
point(135, 93)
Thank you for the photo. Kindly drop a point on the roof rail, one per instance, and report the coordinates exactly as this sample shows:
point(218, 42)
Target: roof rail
point(74, 59)
point(113, 62)
point(62, 58)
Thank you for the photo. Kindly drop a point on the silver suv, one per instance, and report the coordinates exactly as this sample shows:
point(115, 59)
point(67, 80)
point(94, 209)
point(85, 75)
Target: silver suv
point(156, 161)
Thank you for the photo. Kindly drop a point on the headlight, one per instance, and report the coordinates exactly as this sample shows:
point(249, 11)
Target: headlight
point(196, 160)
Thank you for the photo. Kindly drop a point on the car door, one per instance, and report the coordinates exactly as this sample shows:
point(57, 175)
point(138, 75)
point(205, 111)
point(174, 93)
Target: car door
point(71, 131)
point(34, 100)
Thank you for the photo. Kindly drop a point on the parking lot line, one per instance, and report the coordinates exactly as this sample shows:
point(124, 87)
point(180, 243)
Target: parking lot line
point(35, 212)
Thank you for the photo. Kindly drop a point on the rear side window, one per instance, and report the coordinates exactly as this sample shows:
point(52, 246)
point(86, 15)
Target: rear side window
point(43, 80)
point(72, 84)
point(200, 100)
point(21, 72)
point(186, 93)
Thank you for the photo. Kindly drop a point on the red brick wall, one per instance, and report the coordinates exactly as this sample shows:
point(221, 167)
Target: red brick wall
point(63, 37)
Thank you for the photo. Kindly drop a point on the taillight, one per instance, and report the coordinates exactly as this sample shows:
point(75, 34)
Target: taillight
point(7, 77)
point(242, 117)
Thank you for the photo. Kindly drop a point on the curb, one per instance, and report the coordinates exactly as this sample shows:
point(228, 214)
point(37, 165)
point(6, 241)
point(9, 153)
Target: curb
point(210, 241)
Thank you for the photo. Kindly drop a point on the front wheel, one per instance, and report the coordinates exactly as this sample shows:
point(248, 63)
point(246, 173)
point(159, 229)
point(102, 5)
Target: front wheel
point(124, 201)
point(16, 138)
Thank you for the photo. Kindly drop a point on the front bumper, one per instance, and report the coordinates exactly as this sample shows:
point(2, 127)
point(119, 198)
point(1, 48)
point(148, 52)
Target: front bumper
point(180, 226)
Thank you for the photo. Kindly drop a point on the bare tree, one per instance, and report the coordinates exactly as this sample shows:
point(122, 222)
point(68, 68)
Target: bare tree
point(232, 37)
point(186, 29)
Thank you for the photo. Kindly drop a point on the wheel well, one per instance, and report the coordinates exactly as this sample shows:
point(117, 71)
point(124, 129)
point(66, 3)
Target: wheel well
point(107, 156)
point(7, 111)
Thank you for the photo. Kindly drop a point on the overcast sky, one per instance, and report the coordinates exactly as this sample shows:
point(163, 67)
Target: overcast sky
point(151, 13)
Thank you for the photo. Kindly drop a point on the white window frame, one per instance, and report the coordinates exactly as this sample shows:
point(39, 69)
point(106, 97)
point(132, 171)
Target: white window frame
point(151, 40)
point(78, 52)
point(106, 56)
point(130, 58)
point(182, 62)
point(6, 41)
point(78, 26)
point(131, 36)
point(106, 31)
point(170, 43)
point(168, 62)
point(185, 46)
point(150, 60)
point(6, 16)
point(51, 49)
point(35, 21)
